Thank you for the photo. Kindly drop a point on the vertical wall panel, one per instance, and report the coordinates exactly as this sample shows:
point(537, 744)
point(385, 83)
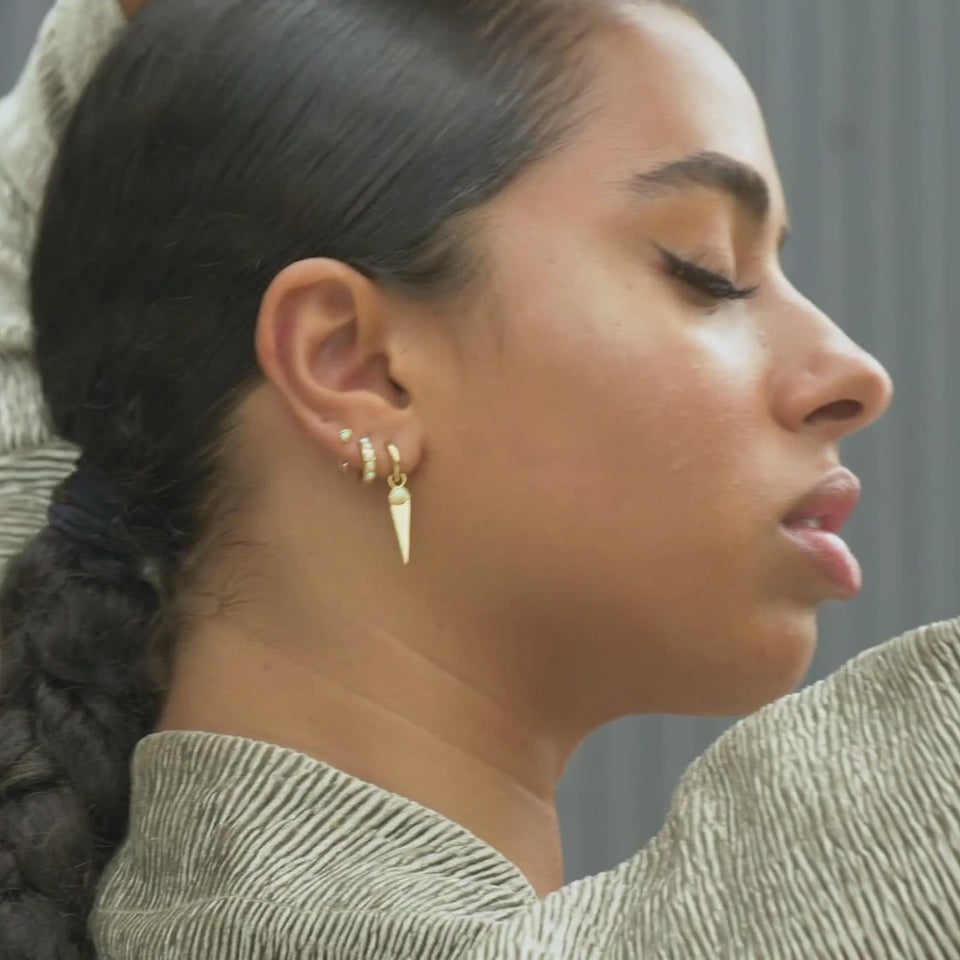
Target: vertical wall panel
point(19, 20)
point(862, 103)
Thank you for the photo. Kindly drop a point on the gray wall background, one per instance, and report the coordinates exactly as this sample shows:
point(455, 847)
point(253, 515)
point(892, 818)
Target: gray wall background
point(18, 27)
point(862, 102)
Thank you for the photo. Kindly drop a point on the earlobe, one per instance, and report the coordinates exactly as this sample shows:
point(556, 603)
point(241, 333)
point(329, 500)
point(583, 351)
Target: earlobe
point(399, 499)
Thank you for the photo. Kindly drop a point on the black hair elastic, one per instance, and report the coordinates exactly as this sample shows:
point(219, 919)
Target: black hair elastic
point(86, 508)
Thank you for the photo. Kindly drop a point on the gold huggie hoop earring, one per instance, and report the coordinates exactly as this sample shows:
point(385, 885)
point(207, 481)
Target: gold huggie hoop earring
point(369, 457)
point(400, 503)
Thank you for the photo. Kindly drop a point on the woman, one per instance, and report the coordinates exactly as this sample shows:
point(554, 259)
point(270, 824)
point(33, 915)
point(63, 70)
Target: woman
point(514, 266)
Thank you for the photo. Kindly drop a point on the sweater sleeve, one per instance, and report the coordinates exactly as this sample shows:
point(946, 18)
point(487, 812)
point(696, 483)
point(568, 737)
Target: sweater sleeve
point(825, 825)
point(72, 40)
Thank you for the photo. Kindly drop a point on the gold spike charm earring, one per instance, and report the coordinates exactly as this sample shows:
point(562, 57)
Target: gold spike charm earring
point(400, 503)
point(346, 435)
point(369, 456)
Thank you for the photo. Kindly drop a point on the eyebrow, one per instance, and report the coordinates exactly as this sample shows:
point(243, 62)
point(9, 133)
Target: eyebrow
point(715, 171)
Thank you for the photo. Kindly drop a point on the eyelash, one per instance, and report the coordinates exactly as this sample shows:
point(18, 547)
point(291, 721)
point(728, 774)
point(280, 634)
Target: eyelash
point(713, 285)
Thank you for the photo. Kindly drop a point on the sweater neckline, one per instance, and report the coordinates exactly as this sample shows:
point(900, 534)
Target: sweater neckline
point(236, 780)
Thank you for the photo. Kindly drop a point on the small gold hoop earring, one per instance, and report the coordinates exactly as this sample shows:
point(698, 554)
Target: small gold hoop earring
point(401, 503)
point(369, 456)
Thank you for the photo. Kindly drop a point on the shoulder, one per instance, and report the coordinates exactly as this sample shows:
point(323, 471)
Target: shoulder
point(831, 816)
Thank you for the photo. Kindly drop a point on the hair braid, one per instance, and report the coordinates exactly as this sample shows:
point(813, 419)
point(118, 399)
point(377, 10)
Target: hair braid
point(78, 688)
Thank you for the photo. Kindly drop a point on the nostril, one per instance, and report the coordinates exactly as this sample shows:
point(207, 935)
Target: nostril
point(839, 410)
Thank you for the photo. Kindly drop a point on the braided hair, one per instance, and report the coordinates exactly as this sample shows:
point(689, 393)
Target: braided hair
point(78, 689)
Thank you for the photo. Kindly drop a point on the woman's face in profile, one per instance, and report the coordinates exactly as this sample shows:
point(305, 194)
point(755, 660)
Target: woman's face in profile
point(647, 398)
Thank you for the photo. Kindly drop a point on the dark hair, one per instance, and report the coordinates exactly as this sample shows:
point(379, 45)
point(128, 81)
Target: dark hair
point(219, 142)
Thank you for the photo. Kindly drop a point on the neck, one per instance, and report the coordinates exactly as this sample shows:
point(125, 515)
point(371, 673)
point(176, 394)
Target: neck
point(387, 711)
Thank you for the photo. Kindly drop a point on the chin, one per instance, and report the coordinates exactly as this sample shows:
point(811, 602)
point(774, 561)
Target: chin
point(782, 655)
point(762, 661)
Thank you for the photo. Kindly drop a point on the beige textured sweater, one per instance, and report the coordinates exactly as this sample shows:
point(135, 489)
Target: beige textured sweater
point(826, 825)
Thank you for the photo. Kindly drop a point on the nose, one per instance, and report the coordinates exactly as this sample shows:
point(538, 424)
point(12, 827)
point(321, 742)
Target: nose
point(829, 385)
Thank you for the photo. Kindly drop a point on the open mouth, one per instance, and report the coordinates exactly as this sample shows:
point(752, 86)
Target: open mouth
point(814, 526)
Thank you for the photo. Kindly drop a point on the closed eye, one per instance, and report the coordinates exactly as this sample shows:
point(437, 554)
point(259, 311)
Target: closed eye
point(714, 286)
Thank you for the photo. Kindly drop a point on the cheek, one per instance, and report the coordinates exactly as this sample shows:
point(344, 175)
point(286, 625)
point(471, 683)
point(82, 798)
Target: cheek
point(641, 403)
point(694, 409)
point(614, 415)
point(668, 453)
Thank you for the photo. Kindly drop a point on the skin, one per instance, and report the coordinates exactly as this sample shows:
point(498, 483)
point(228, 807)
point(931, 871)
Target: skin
point(130, 7)
point(599, 457)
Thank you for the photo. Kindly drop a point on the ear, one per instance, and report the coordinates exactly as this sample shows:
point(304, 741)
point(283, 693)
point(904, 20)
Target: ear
point(326, 342)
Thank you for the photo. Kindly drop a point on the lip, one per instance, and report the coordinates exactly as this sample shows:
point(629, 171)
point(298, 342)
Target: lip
point(831, 503)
